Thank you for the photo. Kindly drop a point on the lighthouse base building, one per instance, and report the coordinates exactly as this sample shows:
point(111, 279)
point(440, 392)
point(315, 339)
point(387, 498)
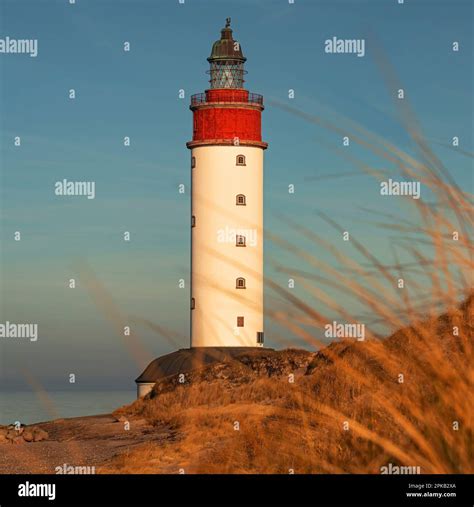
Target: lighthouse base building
point(227, 155)
point(185, 361)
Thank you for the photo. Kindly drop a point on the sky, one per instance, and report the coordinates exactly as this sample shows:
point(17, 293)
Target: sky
point(136, 93)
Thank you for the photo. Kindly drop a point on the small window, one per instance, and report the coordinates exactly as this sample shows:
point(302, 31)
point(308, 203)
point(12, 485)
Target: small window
point(240, 200)
point(193, 221)
point(260, 337)
point(239, 240)
point(193, 162)
point(240, 283)
point(193, 303)
point(240, 322)
point(240, 160)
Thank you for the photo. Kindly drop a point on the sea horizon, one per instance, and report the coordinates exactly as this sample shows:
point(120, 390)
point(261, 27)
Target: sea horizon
point(29, 407)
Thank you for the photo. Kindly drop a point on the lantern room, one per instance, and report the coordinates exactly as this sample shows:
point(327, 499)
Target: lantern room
point(226, 61)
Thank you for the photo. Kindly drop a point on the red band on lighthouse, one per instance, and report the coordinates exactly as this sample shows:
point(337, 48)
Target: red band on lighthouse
point(227, 116)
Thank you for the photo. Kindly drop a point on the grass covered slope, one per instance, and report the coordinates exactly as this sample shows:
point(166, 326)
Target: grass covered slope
point(353, 407)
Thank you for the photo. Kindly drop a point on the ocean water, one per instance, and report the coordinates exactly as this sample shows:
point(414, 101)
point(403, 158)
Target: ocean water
point(30, 407)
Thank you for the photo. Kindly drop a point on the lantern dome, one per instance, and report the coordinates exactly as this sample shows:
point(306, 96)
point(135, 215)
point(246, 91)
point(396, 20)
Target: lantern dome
point(226, 48)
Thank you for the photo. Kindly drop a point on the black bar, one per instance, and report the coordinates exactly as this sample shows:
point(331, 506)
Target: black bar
point(177, 489)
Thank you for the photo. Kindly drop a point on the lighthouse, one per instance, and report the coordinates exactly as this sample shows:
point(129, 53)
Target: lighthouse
point(226, 223)
point(227, 205)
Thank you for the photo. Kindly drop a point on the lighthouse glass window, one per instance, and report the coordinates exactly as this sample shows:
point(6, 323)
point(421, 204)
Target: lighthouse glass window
point(228, 74)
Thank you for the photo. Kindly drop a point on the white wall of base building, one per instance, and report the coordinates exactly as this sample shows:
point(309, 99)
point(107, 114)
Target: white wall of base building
point(143, 388)
point(216, 260)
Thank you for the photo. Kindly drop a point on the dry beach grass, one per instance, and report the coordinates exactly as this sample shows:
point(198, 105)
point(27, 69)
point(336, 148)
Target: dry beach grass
point(423, 421)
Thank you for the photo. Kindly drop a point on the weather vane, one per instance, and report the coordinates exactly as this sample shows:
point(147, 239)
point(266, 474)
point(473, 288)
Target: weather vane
point(227, 22)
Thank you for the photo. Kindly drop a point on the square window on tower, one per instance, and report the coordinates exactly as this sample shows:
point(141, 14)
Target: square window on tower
point(239, 240)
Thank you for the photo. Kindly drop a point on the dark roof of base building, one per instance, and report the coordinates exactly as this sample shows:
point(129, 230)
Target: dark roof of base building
point(186, 360)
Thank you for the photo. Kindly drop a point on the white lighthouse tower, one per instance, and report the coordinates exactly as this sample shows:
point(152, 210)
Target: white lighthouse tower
point(226, 222)
point(227, 205)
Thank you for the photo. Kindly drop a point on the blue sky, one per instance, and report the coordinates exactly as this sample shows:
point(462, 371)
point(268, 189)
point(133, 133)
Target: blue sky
point(136, 94)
